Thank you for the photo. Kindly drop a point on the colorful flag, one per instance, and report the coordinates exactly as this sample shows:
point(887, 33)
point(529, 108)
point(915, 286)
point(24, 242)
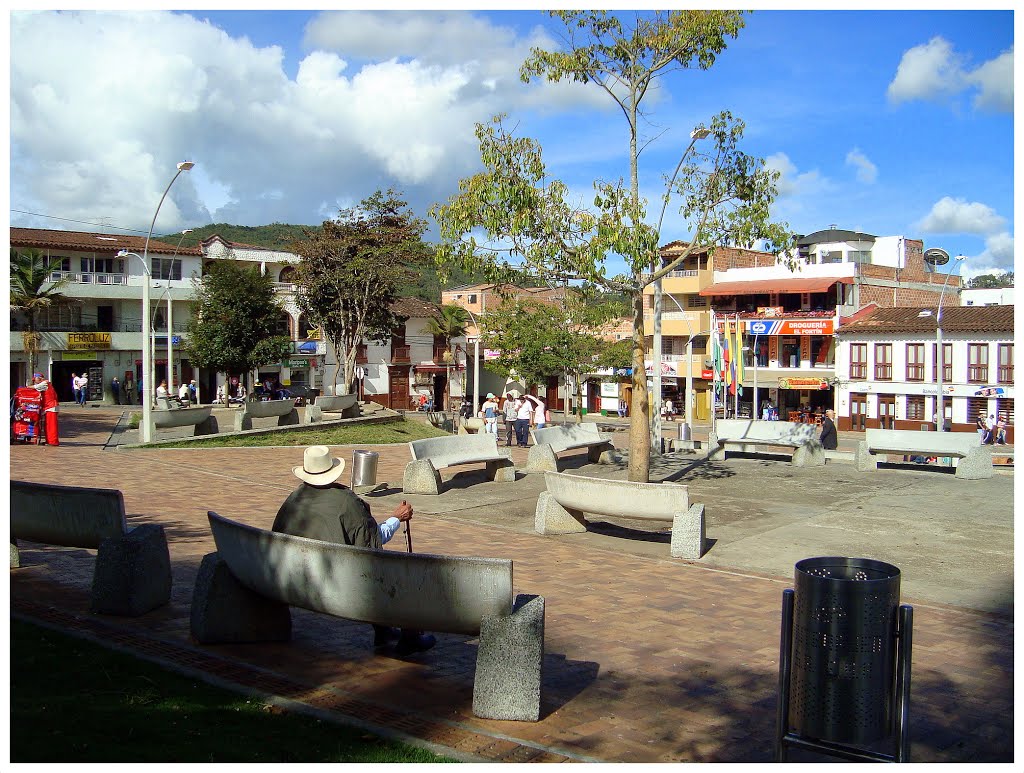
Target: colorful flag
point(730, 384)
point(716, 351)
point(740, 373)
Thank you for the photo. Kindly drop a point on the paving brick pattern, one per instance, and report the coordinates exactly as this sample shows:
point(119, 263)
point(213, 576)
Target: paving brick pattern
point(648, 659)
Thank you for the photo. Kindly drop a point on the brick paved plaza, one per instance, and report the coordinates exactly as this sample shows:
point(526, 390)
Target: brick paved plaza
point(648, 658)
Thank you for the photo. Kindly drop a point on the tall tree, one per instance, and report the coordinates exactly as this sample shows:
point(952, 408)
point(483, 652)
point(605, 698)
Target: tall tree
point(235, 320)
point(449, 326)
point(32, 290)
point(990, 281)
point(351, 271)
point(530, 226)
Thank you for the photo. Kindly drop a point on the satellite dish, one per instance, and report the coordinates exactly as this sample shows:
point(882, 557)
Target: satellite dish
point(936, 256)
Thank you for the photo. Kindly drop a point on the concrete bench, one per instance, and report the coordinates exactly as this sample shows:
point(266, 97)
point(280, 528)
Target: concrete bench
point(133, 566)
point(244, 590)
point(201, 419)
point(974, 460)
point(432, 454)
point(550, 441)
point(561, 507)
point(471, 426)
point(346, 405)
point(283, 410)
point(747, 434)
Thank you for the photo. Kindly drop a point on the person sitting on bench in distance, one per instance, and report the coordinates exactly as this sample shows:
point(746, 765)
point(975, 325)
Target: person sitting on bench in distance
point(323, 509)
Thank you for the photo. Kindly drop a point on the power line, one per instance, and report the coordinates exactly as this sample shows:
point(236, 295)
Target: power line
point(83, 222)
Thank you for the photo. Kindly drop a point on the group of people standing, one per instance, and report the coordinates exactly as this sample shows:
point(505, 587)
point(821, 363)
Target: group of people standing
point(992, 430)
point(80, 387)
point(518, 414)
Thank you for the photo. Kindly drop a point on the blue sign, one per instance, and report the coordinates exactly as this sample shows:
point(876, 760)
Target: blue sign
point(758, 328)
point(306, 347)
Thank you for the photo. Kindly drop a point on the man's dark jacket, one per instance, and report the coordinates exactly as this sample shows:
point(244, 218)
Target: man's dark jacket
point(329, 513)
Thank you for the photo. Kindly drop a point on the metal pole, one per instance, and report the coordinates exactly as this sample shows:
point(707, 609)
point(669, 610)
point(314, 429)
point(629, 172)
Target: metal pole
point(656, 368)
point(736, 379)
point(753, 410)
point(170, 318)
point(939, 359)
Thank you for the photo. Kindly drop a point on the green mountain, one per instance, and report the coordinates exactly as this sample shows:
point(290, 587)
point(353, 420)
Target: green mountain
point(281, 236)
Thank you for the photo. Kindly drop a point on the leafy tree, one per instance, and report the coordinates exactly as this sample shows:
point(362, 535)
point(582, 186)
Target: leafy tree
point(528, 223)
point(990, 281)
point(235, 319)
point(351, 271)
point(538, 340)
point(33, 290)
point(617, 354)
point(451, 324)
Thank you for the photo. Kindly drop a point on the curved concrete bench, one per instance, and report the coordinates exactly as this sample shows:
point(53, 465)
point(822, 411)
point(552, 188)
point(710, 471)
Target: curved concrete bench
point(432, 454)
point(560, 509)
point(746, 434)
point(284, 410)
point(133, 566)
point(974, 460)
point(550, 441)
point(200, 418)
point(346, 405)
point(471, 426)
point(243, 592)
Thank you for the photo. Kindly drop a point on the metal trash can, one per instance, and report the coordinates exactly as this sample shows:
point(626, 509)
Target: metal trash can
point(684, 431)
point(844, 649)
point(364, 468)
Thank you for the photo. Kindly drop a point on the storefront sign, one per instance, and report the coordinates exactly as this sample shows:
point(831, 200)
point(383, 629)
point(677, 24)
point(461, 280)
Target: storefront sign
point(492, 354)
point(86, 355)
point(89, 340)
point(770, 311)
point(667, 368)
point(609, 389)
point(707, 375)
point(313, 334)
point(803, 383)
point(989, 392)
point(788, 327)
point(295, 364)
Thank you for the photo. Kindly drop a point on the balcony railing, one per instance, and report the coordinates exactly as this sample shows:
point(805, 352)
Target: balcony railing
point(858, 370)
point(977, 374)
point(883, 372)
point(438, 353)
point(1005, 374)
point(361, 354)
point(86, 278)
point(682, 272)
point(401, 353)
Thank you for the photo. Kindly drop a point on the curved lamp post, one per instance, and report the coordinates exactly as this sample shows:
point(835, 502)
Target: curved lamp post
point(170, 318)
point(147, 357)
point(698, 133)
point(939, 257)
point(476, 364)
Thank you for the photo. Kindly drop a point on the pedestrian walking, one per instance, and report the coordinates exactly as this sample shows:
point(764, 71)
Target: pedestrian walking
point(829, 437)
point(76, 388)
point(489, 413)
point(115, 390)
point(83, 393)
point(524, 410)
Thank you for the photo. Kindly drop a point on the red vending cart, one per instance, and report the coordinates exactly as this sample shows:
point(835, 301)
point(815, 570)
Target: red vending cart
point(26, 415)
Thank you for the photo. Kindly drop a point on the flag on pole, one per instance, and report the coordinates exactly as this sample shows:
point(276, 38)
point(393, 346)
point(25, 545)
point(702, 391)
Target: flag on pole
point(740, 372)
point(730, 383)
point(716, 354)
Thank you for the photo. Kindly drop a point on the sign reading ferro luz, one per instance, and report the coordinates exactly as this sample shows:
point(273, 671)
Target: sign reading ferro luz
point(89, 340)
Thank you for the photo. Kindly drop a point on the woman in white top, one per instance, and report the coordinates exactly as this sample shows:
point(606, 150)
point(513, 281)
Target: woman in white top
point(539, 413)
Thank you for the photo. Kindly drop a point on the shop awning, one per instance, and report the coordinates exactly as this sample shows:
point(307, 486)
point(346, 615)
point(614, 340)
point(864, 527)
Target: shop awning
point(438, 368)
point(765, 286)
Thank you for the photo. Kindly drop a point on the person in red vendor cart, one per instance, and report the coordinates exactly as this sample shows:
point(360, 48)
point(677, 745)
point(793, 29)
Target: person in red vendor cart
point(50, 402)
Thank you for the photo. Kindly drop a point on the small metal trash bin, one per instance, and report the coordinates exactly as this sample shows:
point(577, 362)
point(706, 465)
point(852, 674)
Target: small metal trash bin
point(844, 659)
point(684, 431)
point(364, 468)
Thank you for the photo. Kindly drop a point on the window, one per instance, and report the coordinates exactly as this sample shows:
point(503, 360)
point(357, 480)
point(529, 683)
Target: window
point(859, 256)
point(915, 408)
point(887, 411)
point(883, 362)
point(915, 363)
point(59, 317)
point(858, 360)
point(821, 352)
point(696, 302)
point(288, 275)
point(790, 355)
point(977, 363)
point(1005, 372)
point(836, 256)
point(166, 268)
point(947, 363)
point(471, 298)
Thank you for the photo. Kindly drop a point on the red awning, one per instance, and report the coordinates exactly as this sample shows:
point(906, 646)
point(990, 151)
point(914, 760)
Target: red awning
point(764, 286)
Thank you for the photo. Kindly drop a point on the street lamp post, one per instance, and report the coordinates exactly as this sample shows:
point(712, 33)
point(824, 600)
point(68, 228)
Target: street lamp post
point(476, 364)
point(147, 358)
point(939, 257)
point(170, 318)
point(698, 133)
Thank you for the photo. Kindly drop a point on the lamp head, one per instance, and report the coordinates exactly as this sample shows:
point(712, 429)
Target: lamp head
point(700, 133)
point(184, 166)
point(925, 313)
point(122, 253)
point(960, 257)
point(186, 231)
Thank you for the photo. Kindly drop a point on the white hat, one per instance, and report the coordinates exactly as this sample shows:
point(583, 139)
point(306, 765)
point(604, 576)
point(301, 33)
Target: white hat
point(490, 395)
point(319, 468)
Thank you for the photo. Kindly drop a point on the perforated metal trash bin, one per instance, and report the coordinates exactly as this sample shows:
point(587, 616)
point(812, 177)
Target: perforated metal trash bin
point(684, 431)
point(364, 468)
point(844, 648)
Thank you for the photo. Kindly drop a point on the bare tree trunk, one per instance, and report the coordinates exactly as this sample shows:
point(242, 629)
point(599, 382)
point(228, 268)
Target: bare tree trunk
point(639, 469)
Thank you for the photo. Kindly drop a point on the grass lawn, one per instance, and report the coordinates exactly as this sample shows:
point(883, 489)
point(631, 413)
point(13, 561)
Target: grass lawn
point(74, 701)
point(353, 434)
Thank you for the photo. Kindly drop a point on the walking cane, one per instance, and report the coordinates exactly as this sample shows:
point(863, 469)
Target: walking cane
point(408, 533)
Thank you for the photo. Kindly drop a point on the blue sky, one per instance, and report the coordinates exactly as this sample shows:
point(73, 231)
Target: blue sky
point(888, 122)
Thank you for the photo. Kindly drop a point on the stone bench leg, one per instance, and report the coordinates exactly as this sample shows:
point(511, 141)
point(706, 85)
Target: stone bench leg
point(977, 465)
point(15, 555)
point(863, 459)
point(810, 455)
point(133, 573)
point(716, 450)
point(225, 612)
point(242, 421)
point(688, 537)
point(421, 478)
point(509, 663)
point(352, 412)
point(503, 471)
point(314, 414)
point(542, 458)
point(290, 418)
point(207, 426)
point(602, 454)
point(552, 518)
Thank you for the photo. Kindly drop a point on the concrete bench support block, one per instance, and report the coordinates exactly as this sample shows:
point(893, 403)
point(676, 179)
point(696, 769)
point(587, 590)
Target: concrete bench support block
point(688, 536)
point(133, 573)
point(208, 427)
point(226, 612)
point(421, 478)
point(314, 414)
point(509, 663)
point(716, 451)
point(552, 518)
point(15, 555)
point(541, 457)
point(503, 471)
point(977, 465)
point(603, 454)
point(810, 455)
point(863, 460)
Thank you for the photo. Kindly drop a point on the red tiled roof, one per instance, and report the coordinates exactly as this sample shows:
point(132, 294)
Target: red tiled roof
point(803, 285)
point(86, 241)
point(415, 307)
point(955, 319)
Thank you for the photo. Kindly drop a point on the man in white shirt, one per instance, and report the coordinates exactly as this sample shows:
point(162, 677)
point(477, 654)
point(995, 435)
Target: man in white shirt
point(83, 389)
point(184, 396)
point(524, 410)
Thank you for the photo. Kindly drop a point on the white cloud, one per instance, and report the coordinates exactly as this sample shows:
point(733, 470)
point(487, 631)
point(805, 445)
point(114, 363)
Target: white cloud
point(949, 215)
point(382, 99)
point(935, 72)
point(867, 172)
point(793, 182)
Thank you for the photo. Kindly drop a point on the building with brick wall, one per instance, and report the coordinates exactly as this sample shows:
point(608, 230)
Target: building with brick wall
point(886, 375)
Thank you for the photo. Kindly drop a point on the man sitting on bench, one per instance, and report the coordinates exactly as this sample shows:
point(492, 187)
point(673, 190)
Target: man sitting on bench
point(325, 510)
